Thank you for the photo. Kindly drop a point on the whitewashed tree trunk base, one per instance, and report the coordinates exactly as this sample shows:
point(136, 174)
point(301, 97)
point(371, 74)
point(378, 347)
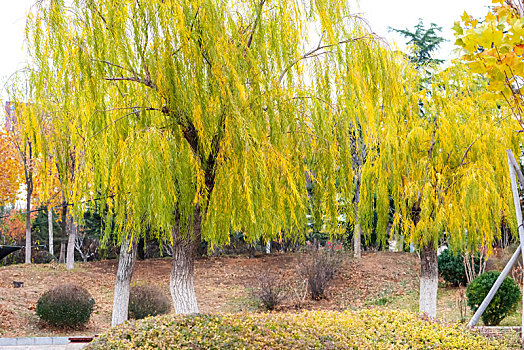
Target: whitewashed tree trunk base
point(50, 229)
point(126, 263)
point(70, 256)
point(428, 281)
point(181, 282)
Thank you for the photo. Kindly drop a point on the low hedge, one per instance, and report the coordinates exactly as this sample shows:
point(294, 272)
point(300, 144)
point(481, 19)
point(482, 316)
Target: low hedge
point(365, 329)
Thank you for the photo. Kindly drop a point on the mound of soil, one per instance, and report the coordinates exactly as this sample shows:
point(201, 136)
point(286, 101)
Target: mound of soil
point(223, 284)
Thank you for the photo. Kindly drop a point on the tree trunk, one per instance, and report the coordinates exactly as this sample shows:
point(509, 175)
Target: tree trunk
point(181, 283)
point(428, 280)
point(182, 272)
point(28, 240)
point(126, 263)
point(27, 158)
point(63, 229)
point(357, 232)
point(357, 251)
point(50, 229)
point(61, 258)
point(70, 257)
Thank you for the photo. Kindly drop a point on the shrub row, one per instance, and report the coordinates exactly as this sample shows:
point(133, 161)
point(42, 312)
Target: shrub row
point(365, 329)
point(69, 305)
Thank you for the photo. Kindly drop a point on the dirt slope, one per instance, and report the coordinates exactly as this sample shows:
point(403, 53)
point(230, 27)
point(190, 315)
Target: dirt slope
point(222, 285)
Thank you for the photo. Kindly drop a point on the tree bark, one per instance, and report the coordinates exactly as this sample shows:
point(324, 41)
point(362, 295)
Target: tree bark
point(428, 280)
point(70, 257)
point(27, 158)
point(63, 229)
point(126, 263)
point(61, 258)
point(357, 235)
point(357, 232)
point(28, 240)
point(182, 272)
point(181, 283)
point(50, 229)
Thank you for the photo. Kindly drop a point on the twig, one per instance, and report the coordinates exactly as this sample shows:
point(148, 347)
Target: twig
point(321, 47)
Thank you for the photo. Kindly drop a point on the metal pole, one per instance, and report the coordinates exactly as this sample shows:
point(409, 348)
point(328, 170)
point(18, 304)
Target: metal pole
point(515, 168)
point(495, 287)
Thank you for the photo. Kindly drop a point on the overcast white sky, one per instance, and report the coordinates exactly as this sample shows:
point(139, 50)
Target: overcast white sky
point(380, 13)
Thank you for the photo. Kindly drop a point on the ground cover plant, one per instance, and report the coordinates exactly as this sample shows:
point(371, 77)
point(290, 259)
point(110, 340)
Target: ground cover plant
point(365, 329)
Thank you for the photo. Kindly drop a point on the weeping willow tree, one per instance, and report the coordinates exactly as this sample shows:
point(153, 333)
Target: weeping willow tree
point(195, 118)
point(437, 154)
point(447, 172)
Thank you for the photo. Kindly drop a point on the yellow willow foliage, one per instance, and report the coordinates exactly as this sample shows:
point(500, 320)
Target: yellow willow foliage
point(173, 106)
point(164, 107)
point(449, 172)
point(363, 91)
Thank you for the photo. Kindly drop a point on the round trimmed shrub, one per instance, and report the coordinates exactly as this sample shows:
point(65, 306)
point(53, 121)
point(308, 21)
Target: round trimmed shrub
point(66, 305)
point(364, 329)
point(147, 300)
point(503, 303)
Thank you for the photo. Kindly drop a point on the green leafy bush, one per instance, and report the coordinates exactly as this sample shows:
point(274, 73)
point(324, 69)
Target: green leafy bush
point(451, 268)
point(365, 329)
point(504, 302)
point(147, 300)
point(66, 305)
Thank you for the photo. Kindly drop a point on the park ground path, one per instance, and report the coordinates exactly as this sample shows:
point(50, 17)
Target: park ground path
point(39, 343)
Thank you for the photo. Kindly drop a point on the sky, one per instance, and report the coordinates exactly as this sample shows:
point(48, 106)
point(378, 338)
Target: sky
point(405, 14)
point(381, 15)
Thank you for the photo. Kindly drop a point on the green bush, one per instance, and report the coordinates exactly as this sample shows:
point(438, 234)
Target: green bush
point(147, 300)
point(66, 305)
point(451, 268)
point(503, 303)
point(365, 329)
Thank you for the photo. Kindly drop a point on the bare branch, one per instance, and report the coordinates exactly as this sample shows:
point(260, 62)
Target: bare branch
point(115, 65)
point(113, 122)
point(145, 82)
point(259, 15)
point(313, 53)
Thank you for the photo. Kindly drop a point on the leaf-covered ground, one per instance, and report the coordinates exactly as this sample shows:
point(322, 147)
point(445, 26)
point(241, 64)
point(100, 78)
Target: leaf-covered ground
point(379, 280)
